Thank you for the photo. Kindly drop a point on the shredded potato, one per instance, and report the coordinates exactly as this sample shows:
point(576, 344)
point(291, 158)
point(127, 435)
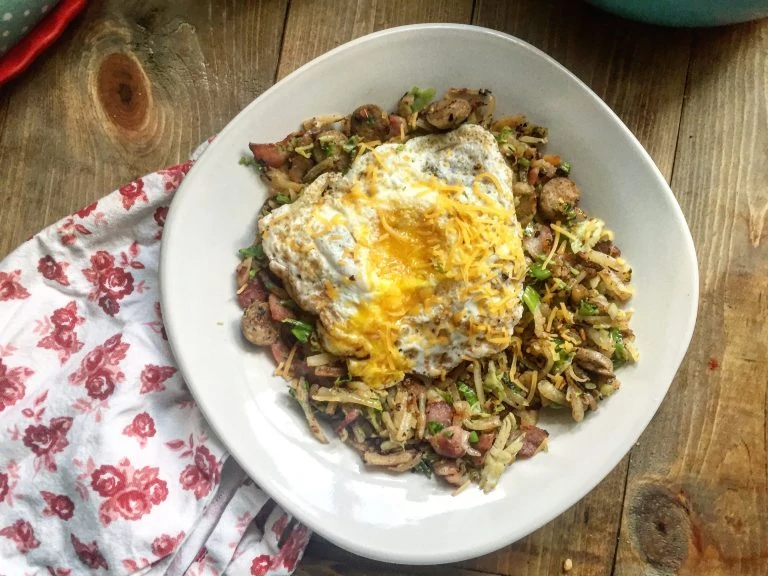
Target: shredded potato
point(470, 423)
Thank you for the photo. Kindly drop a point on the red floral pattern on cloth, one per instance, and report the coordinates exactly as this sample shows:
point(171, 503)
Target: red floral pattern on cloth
point(52, 270)
point(58, 505)
point(129, 493)
point(12, 384)
point(10, 286)
point(106, 463)
point(22, 534)
point(61, 332)
point(142, 427)
point(152, 377)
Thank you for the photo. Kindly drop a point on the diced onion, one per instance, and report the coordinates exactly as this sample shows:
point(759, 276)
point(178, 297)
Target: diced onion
point(319, 360)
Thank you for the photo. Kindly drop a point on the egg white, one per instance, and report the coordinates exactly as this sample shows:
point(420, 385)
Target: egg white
point(340, 262)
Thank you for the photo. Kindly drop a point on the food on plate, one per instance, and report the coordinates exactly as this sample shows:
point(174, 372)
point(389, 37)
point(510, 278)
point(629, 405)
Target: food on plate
point(427, 282)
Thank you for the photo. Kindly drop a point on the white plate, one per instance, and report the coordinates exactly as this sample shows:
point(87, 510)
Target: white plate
point(408, 518)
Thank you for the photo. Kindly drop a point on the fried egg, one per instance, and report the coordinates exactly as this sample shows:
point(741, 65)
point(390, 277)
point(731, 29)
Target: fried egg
point(412, 260)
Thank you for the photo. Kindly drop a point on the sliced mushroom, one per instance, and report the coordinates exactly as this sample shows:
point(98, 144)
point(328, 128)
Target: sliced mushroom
point(394, 459)
point(405, 105)
point(593, 361)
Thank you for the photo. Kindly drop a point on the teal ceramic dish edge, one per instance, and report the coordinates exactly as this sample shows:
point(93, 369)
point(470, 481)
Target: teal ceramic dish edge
point(694, 13)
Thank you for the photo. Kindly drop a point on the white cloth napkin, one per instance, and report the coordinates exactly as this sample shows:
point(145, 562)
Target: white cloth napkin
point(106, 463)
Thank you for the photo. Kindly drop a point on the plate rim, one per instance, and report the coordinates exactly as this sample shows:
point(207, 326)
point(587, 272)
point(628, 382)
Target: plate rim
point(612, 458)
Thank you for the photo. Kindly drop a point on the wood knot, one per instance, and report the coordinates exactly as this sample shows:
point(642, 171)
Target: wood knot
point(660, 527)
point(123, 91)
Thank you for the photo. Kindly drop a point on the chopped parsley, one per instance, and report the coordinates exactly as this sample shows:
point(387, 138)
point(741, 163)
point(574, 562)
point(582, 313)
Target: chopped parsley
point(564, 169)
point(301, 330)
point(350, 145)
point(423, 468)
point(619, 351)
point(468, 394)
point(569, 211)
point(434, 427)
point(251, 161)
point(255, 251)
point(473, 437)
point(587, 309)
point(282, 199)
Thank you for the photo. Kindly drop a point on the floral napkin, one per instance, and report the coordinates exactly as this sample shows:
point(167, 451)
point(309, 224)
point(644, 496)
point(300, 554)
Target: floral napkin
point(106, 463)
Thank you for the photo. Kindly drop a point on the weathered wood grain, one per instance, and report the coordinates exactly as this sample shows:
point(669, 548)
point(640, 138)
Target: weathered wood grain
point(357, 567)
point(135, 85)
point(640, 72)
point(131, 87)
point(697, 498)
point(316, 26)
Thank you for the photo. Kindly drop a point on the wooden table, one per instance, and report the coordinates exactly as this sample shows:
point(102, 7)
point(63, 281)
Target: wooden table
point(134, 85)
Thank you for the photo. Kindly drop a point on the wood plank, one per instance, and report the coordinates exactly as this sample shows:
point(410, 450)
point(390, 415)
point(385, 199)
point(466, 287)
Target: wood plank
point(697, 502)
point(640, 72)
point(311, 566)
point(316, 26)
point(131, 87)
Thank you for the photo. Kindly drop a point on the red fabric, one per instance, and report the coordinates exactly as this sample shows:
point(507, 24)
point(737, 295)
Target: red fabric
point(18, 58)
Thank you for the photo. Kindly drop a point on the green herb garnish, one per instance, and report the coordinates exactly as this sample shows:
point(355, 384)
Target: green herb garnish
point(282, 199)
point(587, 309)
point(619, 351)
point(252, 162)
point(423, 468)
point(300, 329)
point(569, 211)
point(504, 134)
point(564, 169)
point(531, 298)
point(473, 437)
point(434, 427)
point(468, 394)
point(255, 251)
point(524, 162)
point(252, 273)
point(539, 272)
point(350, 144)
